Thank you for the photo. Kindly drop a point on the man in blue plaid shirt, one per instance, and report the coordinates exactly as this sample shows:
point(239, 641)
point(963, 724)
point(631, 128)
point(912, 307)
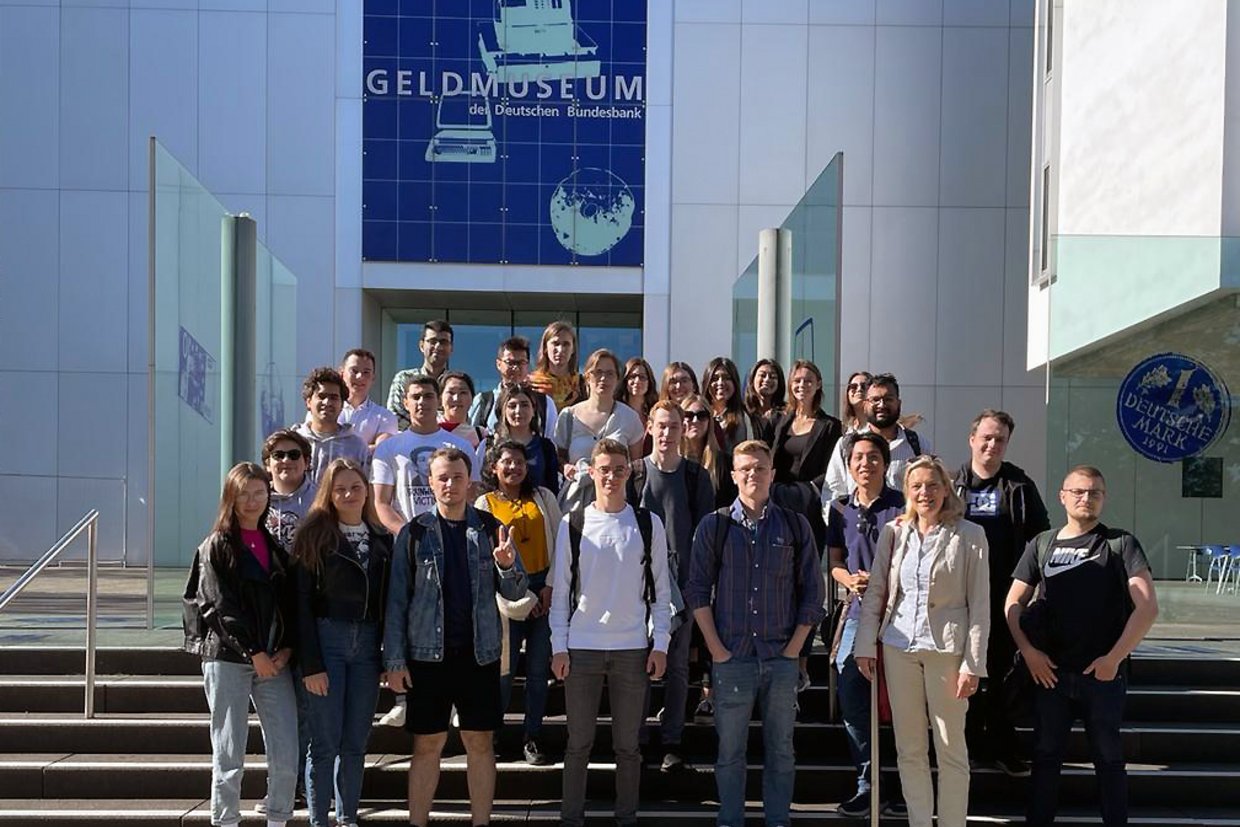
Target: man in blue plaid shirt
point(756, 590)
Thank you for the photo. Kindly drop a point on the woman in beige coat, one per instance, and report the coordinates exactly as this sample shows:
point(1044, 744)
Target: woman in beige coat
point(928, 603)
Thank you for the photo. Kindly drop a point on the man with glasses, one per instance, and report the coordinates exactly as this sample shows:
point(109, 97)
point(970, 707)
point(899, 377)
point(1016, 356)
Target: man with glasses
point(882, 416)
point(1002, 499)
point(756, 590)
point(1097, 604)
point(512, 362)
point(436, 347)
point(610, 619)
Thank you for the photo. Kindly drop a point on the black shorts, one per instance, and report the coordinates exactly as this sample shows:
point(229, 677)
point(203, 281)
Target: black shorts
point(458, 681)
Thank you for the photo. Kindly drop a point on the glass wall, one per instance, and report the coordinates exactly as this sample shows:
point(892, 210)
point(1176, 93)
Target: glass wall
point(815, 227)
point(477, 333)
point(194, 319)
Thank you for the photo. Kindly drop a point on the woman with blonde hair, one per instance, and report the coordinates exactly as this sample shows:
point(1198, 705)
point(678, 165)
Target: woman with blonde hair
point(928, 604)
point(721, 387)
point(343, 553)
point(241, 622)
point(555, 369)
point(852, 405)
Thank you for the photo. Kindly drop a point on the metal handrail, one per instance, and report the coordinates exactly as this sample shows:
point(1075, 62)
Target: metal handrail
point(90, 524)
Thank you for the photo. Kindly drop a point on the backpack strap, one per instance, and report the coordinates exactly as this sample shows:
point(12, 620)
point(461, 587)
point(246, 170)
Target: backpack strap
point(914, 441)
point(723, 524)
point(576, 525)
point(636, 485)
point(693, 473)
point(645, 525)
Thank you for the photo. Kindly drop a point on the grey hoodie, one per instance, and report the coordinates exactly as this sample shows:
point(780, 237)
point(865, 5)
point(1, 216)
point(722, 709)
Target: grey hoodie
point(286, 510)
point(345, 443)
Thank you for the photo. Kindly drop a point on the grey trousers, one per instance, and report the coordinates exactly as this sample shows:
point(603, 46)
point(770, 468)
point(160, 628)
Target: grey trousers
point(625, 672)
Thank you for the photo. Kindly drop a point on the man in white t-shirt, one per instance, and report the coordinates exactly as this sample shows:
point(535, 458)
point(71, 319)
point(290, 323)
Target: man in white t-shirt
point(372, 422)
point(607, 600)
point(400, 471)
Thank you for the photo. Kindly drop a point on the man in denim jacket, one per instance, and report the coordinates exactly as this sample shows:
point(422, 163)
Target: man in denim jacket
point(756, 590)
point(441, 637)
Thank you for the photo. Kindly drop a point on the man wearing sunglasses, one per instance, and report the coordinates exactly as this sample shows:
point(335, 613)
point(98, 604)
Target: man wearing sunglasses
point(882, 416)
point(1097, 604)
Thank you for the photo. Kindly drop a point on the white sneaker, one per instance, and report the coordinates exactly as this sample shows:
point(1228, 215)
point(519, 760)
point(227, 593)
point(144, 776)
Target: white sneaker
point(260, 806)
point(394, 716)
point(803, 682)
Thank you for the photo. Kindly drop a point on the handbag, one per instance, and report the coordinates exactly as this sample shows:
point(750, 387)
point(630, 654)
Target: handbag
point(1017, 689)
point(836, 621)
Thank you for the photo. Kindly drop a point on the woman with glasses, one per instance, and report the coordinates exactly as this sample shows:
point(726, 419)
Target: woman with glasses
point(721, 386)
point(638, 391)
point(928, 605)
point(852, 406)
point(599, 416)
point(555, 370)
point(343, 553)
point(679, 381)
point(516, 422)
point(242, 623)
point(764, 391)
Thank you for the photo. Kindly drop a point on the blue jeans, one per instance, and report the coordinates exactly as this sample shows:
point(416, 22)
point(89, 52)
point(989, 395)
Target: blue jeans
point(1100, 705)
point(340, 721)
point(535, 633)
point(773, 683)
point(230, 687)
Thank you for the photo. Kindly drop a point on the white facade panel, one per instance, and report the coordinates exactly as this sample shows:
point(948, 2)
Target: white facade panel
point(708, 11)
point(970, 331)
point(91, 433)
point(35, 452)
point(232, 101)
point(707, 157)
point(94, 98)
point(30, 251)
point(772, 123)
point(775, 11)
point(302, 227)
point(30, 85)
point(904, 288)
point(907, 112)
point(93, 301)
point(973, 160)
point(910, 12)
point(840, 107)
point(842, 12)
point(300, 104)
point(163, 87)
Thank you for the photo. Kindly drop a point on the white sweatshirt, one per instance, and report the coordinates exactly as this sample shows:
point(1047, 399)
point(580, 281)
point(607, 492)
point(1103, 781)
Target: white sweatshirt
point(611, 614)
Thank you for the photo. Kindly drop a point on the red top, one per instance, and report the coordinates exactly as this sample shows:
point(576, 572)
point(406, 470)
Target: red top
point(257, 544)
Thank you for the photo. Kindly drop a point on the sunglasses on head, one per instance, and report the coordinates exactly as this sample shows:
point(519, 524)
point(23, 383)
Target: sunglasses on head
point(691, 416)
point(293, 454)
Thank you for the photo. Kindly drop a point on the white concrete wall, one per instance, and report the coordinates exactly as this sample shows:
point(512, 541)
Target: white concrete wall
point(929, 100)
point(243, 93)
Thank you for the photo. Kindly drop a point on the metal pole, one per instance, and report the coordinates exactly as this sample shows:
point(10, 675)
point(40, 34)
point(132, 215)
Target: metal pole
point(92, 610)
point(874, 797)
point(768, 294)
point(151, 265)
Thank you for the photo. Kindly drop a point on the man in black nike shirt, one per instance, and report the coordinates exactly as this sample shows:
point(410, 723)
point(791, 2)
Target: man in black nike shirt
point(1098, 603)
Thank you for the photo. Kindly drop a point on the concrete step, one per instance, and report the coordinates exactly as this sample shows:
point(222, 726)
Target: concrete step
point(196, 811)
point(120, 694)
point(67, 733)
point(80, 776)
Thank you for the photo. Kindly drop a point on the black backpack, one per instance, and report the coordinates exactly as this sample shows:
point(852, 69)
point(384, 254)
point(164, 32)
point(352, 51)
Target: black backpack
point(576, 525)
point(636, 485)
point(725, 514)
point(914, 442)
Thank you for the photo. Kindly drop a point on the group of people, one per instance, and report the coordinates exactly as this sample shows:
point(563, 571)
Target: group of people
point(605, 527)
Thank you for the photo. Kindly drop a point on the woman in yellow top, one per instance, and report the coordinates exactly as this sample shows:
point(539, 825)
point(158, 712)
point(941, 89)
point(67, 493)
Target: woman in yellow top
point(555, 370)
point(928, 603)
point(531, 514)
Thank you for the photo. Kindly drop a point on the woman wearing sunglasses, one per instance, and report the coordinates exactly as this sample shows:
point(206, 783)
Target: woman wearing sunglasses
point(286, 457)
point(852, 406)
point(928, 605)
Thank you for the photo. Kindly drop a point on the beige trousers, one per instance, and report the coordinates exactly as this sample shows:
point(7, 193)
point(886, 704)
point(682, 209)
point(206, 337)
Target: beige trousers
point(917, 682)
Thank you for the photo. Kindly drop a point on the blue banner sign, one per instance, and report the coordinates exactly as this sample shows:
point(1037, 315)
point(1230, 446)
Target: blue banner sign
point(504, 131)
point(1172, 407)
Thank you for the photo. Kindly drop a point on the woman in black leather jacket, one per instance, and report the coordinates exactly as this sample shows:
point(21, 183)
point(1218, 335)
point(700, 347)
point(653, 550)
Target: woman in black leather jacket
point(343, 556)
point(243, 628)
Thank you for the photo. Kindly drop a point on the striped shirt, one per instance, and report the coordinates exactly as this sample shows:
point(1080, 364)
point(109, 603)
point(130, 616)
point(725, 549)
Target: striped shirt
point(764, 582)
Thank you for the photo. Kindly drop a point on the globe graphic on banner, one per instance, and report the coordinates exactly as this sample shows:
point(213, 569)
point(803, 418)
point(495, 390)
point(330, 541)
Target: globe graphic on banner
point(591, 210)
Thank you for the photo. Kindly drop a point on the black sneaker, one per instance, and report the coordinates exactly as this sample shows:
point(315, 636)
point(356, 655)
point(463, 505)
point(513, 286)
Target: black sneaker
point(896, 808)
point(1013, 767)
point(856, 807)
point(534, 756)
point(672, 762)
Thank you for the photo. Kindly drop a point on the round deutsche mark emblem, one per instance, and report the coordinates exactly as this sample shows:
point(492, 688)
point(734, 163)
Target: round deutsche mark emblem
point(1172, 407)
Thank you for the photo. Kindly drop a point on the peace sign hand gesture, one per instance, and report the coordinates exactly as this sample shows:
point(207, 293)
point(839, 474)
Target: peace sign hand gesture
point(505, 551)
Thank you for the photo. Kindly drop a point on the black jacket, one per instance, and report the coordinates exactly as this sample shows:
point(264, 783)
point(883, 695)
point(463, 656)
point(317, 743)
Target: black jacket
point(812, 464)
point(1023, 504)
point(244, 609)
point(343, 590)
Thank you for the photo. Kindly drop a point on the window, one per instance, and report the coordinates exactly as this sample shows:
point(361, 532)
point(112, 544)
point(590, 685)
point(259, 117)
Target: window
point(1045, 233)
point(1050, 34)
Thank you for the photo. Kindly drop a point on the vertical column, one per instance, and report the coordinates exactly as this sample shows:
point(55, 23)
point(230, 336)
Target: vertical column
point(245, 338)
point(783, 308)
point(768, 294)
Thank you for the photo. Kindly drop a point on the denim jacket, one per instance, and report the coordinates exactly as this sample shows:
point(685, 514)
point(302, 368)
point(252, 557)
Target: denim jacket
point(413, 628)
